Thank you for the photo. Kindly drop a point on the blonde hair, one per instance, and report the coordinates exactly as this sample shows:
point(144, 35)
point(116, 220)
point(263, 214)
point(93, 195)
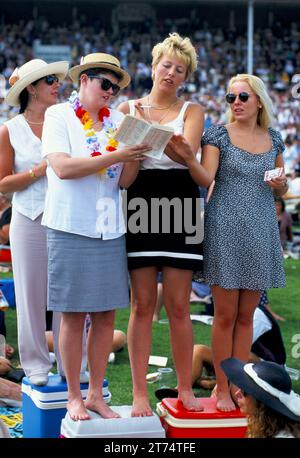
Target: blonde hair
point(265, 114)
point(175, 45)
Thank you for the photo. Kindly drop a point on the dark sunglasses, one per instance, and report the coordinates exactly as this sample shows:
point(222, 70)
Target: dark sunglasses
point(50, 79)
point(106, 84)
point(243, 96)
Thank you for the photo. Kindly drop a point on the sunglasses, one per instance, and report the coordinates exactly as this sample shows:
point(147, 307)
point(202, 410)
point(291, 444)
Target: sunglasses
point(50, 79)
point(106, 84)
point(243, 96)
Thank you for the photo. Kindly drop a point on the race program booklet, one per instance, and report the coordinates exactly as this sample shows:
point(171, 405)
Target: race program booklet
point(133, 131)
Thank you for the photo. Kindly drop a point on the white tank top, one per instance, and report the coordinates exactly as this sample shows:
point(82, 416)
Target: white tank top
point(28, 153)
point(165, 162)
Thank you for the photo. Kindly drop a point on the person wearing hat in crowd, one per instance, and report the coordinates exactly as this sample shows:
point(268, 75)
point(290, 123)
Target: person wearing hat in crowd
point(34, 88)
point(84, 219)
point(266, 397)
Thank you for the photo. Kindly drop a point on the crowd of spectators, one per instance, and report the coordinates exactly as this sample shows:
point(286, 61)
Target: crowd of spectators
point(222, 53)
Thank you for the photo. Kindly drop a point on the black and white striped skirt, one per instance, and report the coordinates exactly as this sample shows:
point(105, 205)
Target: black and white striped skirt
point(164, 221)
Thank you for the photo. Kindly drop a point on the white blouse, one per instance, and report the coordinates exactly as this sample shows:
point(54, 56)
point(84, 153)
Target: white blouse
point(28, 153)
point(90, 206)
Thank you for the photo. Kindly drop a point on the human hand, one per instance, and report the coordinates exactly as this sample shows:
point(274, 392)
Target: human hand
point(133, 153)
point(40, 169)
point(278, 182)
point(179, 150)
point(140, 108)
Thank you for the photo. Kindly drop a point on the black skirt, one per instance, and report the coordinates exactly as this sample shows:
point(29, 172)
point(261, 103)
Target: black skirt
point(164, 221)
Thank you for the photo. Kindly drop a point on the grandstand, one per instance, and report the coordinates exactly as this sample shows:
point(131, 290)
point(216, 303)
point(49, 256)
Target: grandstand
point(65, 29)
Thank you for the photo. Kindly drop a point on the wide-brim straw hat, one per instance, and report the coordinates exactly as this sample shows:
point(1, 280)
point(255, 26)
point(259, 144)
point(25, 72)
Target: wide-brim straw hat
point(267, 382)
point(31, 72)
point(100, 60)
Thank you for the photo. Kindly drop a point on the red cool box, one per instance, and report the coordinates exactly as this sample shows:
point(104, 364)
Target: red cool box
point(181, 423)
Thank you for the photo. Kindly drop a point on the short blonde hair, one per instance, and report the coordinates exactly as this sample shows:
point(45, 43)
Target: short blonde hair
point(265, 114)
point(175, 45)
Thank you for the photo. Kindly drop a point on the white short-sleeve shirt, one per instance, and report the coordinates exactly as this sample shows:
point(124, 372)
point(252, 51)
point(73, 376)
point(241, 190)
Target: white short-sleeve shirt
point(89, 206)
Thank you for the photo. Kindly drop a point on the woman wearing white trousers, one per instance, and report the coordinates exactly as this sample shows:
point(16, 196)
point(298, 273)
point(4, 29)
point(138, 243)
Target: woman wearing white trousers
point(22, 171)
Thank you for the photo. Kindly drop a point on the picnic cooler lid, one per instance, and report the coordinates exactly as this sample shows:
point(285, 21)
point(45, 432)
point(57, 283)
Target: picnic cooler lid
point(172, 411)
point(124, 427)
point(54, 394)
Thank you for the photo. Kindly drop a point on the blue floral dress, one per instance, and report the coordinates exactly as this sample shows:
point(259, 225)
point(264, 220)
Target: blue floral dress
point(241, 240)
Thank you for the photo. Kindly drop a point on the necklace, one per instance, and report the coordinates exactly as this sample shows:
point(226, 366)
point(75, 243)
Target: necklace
point(159, 108)
point(92, 142)
point(33, 123)
point(163, 116)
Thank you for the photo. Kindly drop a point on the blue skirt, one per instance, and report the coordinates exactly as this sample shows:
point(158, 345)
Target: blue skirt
point(86, 274)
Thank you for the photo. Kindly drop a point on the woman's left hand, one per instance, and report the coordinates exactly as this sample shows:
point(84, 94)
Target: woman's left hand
point(278, 182)
point(179, 150)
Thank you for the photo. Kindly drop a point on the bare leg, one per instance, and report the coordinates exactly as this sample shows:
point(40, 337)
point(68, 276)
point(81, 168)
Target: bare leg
point(143, 300)
point(10, 390)
point(176, 289)
point(226, 309)
point(99, 344)
point(243, 330)
point(70, 343)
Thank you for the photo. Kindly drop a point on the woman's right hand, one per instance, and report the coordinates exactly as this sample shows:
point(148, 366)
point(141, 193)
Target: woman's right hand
point(40, 169)
point(133, 153)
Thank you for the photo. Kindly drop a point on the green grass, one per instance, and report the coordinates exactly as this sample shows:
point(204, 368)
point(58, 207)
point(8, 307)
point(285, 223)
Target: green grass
point(283, 301)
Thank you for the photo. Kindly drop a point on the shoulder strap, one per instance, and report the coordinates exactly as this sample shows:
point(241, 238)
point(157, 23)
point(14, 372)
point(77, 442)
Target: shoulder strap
point(131, 107)
point(183, 110)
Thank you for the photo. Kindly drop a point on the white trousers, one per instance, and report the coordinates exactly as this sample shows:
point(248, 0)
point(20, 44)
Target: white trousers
point(28, 241)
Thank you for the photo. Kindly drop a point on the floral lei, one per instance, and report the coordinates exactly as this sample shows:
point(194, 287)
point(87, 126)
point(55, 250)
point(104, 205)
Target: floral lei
point(92, 141)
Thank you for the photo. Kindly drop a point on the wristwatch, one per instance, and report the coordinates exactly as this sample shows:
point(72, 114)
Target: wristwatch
point(32, 174)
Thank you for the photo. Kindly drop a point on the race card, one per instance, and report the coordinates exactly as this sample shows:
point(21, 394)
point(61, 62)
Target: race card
point(270, 174)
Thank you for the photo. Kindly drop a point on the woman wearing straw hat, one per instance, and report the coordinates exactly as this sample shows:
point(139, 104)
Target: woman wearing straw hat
point(83, 214)
point(34, 88)
point(266, 397)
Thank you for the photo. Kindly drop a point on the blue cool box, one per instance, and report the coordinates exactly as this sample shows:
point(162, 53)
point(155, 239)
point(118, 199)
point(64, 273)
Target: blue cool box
point(45, 406)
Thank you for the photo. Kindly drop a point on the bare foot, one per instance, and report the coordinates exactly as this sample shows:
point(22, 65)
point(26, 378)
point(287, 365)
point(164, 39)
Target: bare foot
point(141, 407)
point(189, 401)
point(96, 404)
point(225, 402)
point(77, 410)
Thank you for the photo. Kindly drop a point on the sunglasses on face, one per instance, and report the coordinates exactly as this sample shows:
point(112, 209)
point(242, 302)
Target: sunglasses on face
point(243, 96)
point(50, 79)
point(106, 84)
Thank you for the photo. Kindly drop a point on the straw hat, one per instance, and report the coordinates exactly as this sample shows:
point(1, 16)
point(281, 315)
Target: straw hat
point(267, 382)
point(100, 60)
point(31, 72)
